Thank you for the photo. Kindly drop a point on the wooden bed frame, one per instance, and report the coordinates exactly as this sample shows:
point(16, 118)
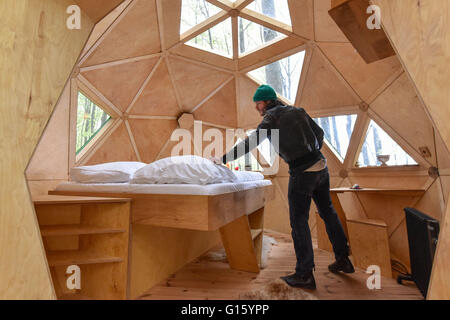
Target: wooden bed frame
point(238, 216)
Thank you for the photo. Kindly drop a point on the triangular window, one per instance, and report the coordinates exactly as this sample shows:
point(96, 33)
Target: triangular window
point(253, 36)
point(90, 120)
point(194, 12)
point(337, 132)
point(283, 75)
point(218, 39)
point(276, 9)
point(379, 149)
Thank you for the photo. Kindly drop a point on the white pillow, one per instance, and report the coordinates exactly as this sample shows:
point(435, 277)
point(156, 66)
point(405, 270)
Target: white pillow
point(110, 172)
point(243, 176)
point(183, 169)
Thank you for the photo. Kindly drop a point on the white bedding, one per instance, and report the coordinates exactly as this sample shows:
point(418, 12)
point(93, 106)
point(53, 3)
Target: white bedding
point(187, 189)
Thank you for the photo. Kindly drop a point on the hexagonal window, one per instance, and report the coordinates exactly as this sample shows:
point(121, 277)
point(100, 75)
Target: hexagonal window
point(90, 120)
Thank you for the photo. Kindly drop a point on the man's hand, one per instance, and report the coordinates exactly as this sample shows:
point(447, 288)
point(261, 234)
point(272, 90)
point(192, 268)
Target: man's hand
point(216, 160)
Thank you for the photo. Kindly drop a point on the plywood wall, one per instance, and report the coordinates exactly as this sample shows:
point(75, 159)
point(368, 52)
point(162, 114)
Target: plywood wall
point(419, 32)
point(34, 71)
point(149, 85)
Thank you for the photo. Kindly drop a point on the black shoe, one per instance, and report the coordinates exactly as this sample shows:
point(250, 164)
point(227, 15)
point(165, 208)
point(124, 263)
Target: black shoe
point(343, 264)
point(300, 281)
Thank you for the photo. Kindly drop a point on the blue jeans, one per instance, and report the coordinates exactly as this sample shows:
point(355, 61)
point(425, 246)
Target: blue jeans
point(302, 187)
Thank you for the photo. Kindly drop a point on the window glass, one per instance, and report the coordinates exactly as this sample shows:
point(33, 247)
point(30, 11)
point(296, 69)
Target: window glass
point(283, 75)
point(218, 39)
point(337, 132)
point(253, 36)
point(194, 12)
point(276, 9)
point(379, 149)
point(90, 119)
point(245, 163)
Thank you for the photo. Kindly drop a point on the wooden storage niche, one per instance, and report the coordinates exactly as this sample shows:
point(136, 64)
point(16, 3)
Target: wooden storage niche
point(92, 233)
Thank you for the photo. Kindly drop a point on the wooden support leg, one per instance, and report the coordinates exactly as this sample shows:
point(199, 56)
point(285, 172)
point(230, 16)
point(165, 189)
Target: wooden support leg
point(238, 243)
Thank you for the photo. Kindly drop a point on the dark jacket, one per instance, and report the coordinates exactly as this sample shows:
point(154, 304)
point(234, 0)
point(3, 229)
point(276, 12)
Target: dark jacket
point(300, 138)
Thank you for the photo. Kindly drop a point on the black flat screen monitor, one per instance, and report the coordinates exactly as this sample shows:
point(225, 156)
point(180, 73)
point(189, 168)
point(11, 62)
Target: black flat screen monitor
point(423, 233)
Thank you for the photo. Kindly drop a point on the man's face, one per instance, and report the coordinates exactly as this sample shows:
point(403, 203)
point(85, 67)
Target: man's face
point(260, 107)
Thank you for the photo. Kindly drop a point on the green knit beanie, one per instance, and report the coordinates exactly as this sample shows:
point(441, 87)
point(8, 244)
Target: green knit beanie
point(264, 93)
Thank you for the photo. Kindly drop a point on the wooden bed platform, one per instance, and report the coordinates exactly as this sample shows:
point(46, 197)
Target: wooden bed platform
point(238, 216)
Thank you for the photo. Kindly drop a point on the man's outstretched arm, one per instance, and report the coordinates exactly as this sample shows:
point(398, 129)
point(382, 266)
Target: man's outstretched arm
point(251, 142)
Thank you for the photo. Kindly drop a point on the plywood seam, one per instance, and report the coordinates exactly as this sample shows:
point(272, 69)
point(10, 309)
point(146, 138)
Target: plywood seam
point(340, 76)
point(143, 86)
point(389, 82)
point(100, 95)
point(159, 15)
point(165, 144)
point(402, 142)
point(414, 204)
point(102, 139)
point(200, 63)
point(356, 140)
point(107, 32)
point(172, 80)
point(132, 140)
point(304, 74)
point(273, 58)
point(118, 62)
point(202, 27)
point(145, 117)
point(212, 94)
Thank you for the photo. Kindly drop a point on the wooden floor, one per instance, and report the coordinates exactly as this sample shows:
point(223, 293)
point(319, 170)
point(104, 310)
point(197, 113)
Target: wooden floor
point(203, 279)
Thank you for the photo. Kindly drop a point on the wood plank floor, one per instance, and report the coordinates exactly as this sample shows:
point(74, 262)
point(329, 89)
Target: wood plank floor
point(203, 279)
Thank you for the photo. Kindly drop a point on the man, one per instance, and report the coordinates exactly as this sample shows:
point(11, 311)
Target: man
point(300, 141)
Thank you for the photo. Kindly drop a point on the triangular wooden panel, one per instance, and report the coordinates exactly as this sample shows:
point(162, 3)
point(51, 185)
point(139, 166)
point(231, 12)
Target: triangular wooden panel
point(137, 34)
point(205, 144)
point(402, 110)
point(364, 78)
point(445, 182)
point(158, 97)
point(443, 156)
point(150, 136)
point(96, 10)
point(302, 16)
point(221, 108)
point(247, 114)
point(392, 212)
point(283, 169)
point(398, 245)
point(325, 27)
point(276, 215)
point(323, 88)
point(120, 83)
point(104, 24)
point(195, 82)
point(169, 147)
point(109, 151)
point(334, 165)
point(171, 14)
point(432, 202)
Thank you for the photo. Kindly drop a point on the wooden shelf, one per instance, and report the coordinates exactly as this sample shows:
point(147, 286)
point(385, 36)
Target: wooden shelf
point(69, 257)
point(76, 229)
point(255, 233)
